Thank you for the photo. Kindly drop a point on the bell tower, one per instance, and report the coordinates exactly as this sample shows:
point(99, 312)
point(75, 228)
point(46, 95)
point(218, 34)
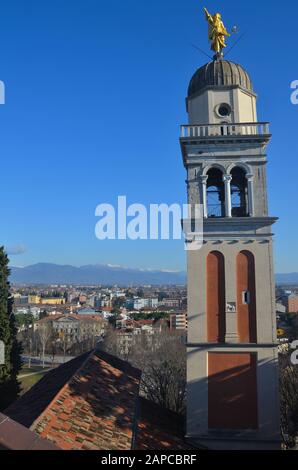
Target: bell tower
point(232, 369)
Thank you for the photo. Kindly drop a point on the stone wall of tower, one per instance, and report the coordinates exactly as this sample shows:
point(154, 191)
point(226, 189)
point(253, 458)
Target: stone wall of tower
point(232, 366)
point(267, 434)
point(202, 108)
point(265, 295)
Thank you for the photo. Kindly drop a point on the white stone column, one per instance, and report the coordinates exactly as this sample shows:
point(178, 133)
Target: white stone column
point(250, 190)
point(228, 201)
point(204, 180)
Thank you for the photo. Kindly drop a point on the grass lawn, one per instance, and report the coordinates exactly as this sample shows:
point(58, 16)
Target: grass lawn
point(28, 381)
point(25, 369)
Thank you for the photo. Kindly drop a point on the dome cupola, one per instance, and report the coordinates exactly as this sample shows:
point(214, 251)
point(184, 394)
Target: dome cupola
point(219, 73)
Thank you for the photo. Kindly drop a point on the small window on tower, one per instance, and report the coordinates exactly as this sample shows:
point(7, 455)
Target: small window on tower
point(224, 110)
point(246, 297)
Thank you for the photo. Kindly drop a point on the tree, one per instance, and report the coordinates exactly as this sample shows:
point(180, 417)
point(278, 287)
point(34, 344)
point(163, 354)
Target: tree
point(161, 356)
point(9, 385)
point(43, 314)
point(65, 341)
point(53, 347)
point(24, 320)
point(44, 335)
point(163, 364)
point(288, 380)
point(26, 334)
point(118, 303)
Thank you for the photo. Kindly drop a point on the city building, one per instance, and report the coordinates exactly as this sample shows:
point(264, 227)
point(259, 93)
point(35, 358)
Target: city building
point(82, 298)
point(29, 310)
point(78, 327)
point(280, 308)
point(19, 299)
point(39, 300)
point(178, 321)
point(290, 302)
point(33, 299)
point(87, 311)
point(232, 365)
point(137, 303)
point(172, 303)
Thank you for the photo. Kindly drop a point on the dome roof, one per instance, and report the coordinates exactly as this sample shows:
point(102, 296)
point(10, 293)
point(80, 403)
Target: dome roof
point(219, 73)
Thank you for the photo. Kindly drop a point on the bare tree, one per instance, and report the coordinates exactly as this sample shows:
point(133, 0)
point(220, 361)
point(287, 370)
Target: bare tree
point(53, 345)
point(44, 334)
point(289, 400)
point(161, 356)
point(27, 338)
point(164, 372)
point(66, 341)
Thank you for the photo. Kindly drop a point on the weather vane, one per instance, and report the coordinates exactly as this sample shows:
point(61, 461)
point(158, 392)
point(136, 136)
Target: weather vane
point(217, 33)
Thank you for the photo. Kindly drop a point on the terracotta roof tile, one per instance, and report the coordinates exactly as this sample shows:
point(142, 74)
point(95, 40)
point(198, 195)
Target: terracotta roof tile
point(159, 429)
point(92, 403)
point(30, 405)
point(94, 407)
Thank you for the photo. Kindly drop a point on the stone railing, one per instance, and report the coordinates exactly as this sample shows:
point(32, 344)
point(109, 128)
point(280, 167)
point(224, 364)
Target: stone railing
point(223, 130)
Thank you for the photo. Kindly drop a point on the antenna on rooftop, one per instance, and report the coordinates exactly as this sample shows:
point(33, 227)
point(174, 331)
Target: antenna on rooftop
point(235, 43)
point(201, 50)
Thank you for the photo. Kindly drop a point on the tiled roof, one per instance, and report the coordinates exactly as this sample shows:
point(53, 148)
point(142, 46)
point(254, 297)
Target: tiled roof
point(93, 410)
point(93, 403)
point(95, 317)
point(30, 405)
point(159, 429)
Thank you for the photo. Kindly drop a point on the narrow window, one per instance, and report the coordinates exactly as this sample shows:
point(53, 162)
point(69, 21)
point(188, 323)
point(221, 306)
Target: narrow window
point(216, 302)
point(215, 193)
point(246, 297)
point(239, 196)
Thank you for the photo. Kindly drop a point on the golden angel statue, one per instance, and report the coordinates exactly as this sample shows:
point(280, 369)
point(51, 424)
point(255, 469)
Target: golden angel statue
point(217, 32)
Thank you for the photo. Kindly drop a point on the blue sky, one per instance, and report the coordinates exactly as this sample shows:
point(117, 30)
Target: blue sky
point(94, 98)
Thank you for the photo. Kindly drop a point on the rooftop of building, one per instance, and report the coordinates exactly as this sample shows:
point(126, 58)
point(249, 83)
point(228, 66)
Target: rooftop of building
point(71, 316)
point(219, 73)
point(93, 403)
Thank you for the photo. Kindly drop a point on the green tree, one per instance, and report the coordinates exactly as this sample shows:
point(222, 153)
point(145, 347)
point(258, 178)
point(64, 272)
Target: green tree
point(24, 319)
point(43, 314)
point(9, 385)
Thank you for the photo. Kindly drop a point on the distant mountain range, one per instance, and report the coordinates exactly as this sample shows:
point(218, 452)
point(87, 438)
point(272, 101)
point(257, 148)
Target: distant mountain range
point(290, 278)
point(46, 273)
